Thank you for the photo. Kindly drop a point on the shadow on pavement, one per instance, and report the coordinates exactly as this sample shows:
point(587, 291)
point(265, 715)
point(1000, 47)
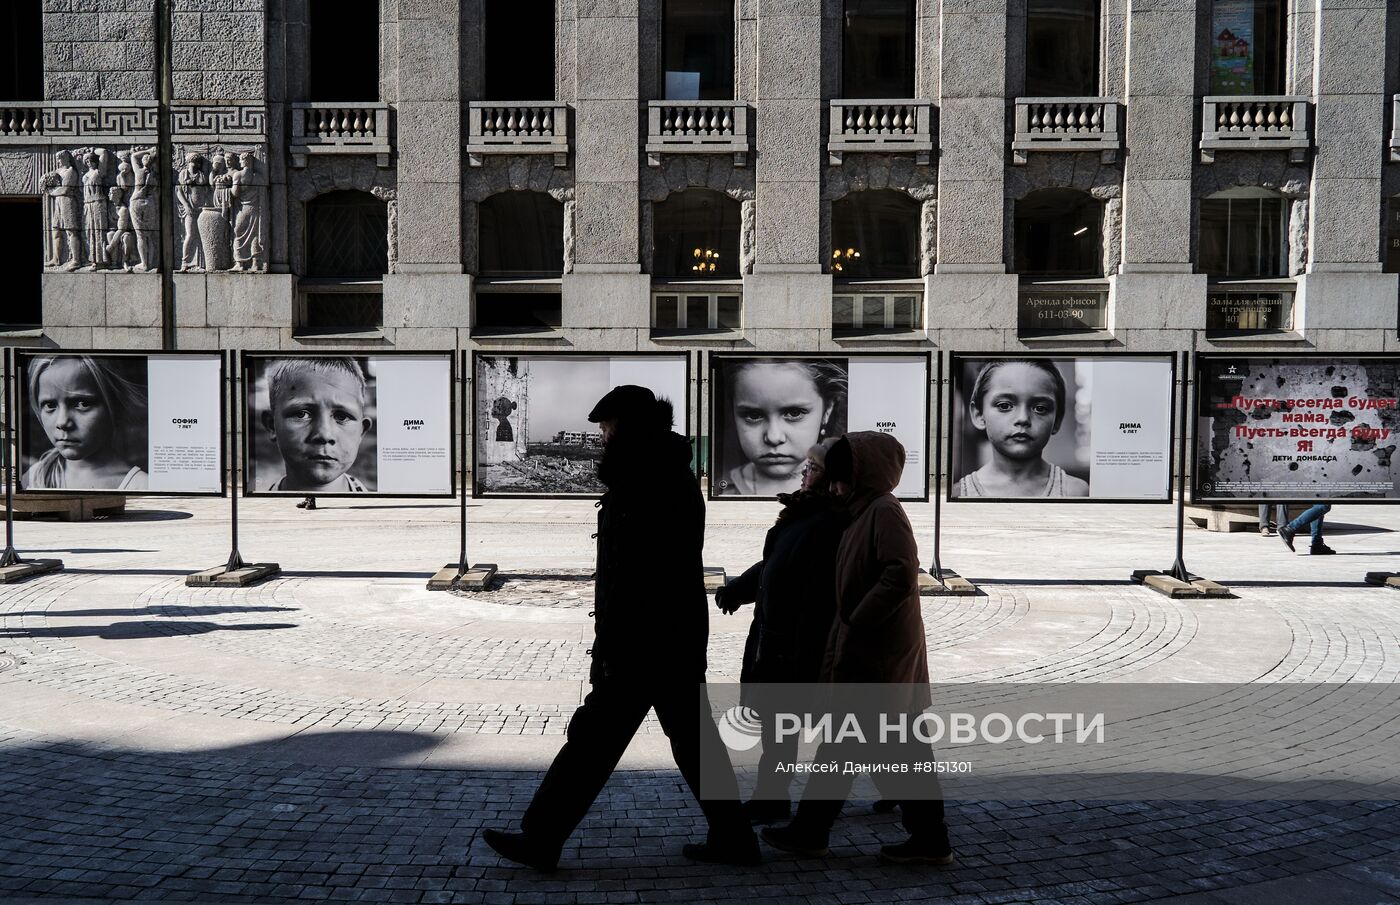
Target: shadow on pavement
point(136, 630)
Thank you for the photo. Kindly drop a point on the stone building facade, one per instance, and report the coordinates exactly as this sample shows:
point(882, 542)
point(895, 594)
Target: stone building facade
point(171, 174)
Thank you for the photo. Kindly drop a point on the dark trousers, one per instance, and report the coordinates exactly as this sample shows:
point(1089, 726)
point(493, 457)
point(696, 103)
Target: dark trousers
point(826, 793)
point(597, 736)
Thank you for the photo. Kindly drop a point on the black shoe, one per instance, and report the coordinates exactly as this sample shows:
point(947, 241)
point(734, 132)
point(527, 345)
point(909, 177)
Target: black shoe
point(1321, 549)
point(761, 810)
point(885, 806)
point(915, 851)
point(792, 838)
point(521, 849)
point(1286, 536)
point(742, 854)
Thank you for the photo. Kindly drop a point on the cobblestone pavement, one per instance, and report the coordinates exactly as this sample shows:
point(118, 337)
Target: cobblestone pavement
point(342, 734)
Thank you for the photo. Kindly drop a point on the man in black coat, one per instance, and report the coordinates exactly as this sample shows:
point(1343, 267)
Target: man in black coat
point(651, 629)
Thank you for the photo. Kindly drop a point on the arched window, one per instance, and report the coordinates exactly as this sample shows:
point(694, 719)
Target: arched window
point(521, 234)
point(1244, 234)
point(1062, 48)
point(518, 50)
point(875, 236)
point(343, 58)
point(696, 236)
point(21, 224)
point(347, 254)
point(1059, 233)
point(21, 51)
point(877, 49)
point(697, 40)
point(1248, 45)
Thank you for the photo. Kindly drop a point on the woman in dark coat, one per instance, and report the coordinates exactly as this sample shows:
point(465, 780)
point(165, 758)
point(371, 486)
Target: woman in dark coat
point(877, 637)
point(794, 591)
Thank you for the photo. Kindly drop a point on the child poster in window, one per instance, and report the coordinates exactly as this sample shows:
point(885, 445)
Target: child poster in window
point(1061, 428)
point(344, 425)
point(121, 423)
point(1232, 47)
point(1301, 428)
point(767, 412)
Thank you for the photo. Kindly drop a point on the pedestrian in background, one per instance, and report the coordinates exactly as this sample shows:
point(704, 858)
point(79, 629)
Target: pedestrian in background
point(1312, 520)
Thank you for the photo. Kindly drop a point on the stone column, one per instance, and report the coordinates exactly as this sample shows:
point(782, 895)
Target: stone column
point(1344, 287)
point(607, 288)
point(429, 288)
point(1156, 288)
point(787, 289)
point(970, 284)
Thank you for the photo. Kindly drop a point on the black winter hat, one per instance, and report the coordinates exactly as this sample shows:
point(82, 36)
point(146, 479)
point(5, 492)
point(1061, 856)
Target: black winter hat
point(624, 403)
point(840, 466)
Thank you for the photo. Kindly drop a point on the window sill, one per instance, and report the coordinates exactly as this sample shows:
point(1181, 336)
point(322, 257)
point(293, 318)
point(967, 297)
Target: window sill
point(879, 336)
point(337, 335)
point(682, 336)
point(1255, 337)
point(516, 333)
point(1068, 336)
point(23, 333)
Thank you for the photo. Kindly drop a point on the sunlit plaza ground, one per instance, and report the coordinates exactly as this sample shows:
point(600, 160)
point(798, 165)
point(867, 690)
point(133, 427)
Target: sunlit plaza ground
point(340, 733)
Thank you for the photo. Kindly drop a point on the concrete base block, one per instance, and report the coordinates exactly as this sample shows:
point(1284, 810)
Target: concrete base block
point(224, 577)
point(28, 569)
point(715, 578)
point(71, 507)
point(1384, 579)
point(476, 578)
point(1175, 588)
point(952, 584)
point(1215, 518)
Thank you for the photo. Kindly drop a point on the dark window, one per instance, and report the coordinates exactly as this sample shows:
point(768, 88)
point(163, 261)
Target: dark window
point(877, 49)
point(347, 235)
point(21, 233)
point(1059, 234)
point(696, 236)
point(517, 310)
point(343, 312)
point(1392, 235)
point(1062, 48)
point(875, 236)
point(344, 51)
point(518, 47)
point(698, 50)
point(521, 234)
point(1247, 47)
point(21, 51)
point(1243, 234)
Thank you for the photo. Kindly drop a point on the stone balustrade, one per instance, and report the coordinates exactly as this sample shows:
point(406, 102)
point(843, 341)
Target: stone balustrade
point(62, 122)
point(1255, 123)
point(324, 128)
point(1066, 124)
point(698, 127)
point(517, 127)
point(883, 126)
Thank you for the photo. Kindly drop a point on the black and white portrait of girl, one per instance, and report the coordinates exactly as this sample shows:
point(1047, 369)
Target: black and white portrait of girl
point(87, 423)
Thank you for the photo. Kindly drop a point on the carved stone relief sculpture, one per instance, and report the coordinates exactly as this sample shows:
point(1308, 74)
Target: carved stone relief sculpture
point(221, 199)
point(100, 215)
